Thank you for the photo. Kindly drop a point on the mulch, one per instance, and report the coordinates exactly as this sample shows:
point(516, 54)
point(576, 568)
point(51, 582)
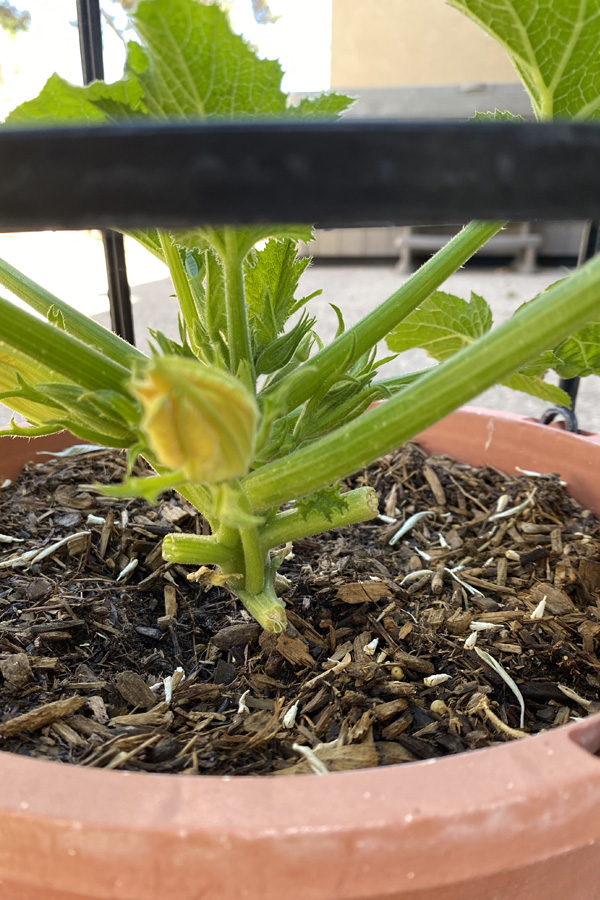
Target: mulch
point(403, 635)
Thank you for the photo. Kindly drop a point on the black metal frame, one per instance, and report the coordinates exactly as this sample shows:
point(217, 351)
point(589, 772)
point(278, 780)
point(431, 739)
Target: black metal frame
point(119, 295)
point(343, 174)
point(336, 174)
point(590, 245)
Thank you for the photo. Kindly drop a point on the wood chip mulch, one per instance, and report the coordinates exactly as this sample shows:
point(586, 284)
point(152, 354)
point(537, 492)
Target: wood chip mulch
point(110, 657)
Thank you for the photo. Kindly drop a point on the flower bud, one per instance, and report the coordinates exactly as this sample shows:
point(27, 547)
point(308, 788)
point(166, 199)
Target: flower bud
point(197, 418)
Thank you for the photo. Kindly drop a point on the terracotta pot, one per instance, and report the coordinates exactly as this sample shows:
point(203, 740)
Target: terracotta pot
point(518, 821)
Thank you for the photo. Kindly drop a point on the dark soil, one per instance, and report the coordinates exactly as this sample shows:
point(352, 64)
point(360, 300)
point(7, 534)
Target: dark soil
point(96, 635)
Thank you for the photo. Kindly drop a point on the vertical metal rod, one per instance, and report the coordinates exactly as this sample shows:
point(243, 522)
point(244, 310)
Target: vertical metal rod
point(590, 245)
point(119, 296)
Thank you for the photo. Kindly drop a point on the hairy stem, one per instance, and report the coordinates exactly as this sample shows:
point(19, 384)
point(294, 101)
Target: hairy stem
point(183, 290)
point(199, 550)
point(76, 323)
point(238, 329)
point(69, 357)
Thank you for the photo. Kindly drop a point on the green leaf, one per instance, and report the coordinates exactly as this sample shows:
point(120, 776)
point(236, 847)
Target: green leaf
point(271, 279)
point(323, 106)
point(60, 102)
point(546, 360)
point(167, 346)
point(341, 325)
point(325, 502)
point(198, 68)
point(496, 116)
point(550, 43)
point(190, 66)
point(579, 355)
point(279, 352)
point(246, 237)
point(537, 387)
point(442, 325)
point(103, 411)
point(148, 488)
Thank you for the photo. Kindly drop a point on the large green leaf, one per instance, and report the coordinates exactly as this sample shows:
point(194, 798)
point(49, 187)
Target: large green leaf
point(188, 66)
point(61, 102)
point(246, 237)
point(553, 44)
point(199, 68)
point(444, 324)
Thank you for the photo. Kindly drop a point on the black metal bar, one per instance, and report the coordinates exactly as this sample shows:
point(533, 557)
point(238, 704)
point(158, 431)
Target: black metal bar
point(349, 173)
point(119, 294)
point(590, 245)
point(90, 40)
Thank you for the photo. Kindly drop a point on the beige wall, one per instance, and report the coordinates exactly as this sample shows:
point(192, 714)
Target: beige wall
point(386, 43)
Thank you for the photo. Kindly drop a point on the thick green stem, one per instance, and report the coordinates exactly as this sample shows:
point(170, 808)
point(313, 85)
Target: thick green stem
point(265, 607)
point(199, 550)
point(542, 324)
point(238, 330)
point(361, 505)
point(254, 560)
point(60, 352)
point(183, 290)
point(350, 345)
point(76, 323)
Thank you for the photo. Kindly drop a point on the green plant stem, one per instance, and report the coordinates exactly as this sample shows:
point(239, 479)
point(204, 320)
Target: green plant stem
point(29, 431)
point(76, 323)
point(361, 505)
point(265, 607)
point(183, 290)
point(60, 352)
point(254, 560)
point(199, 550)
point(350, 345)
point(198, 496)
point(542, 324)
point(238, 330)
